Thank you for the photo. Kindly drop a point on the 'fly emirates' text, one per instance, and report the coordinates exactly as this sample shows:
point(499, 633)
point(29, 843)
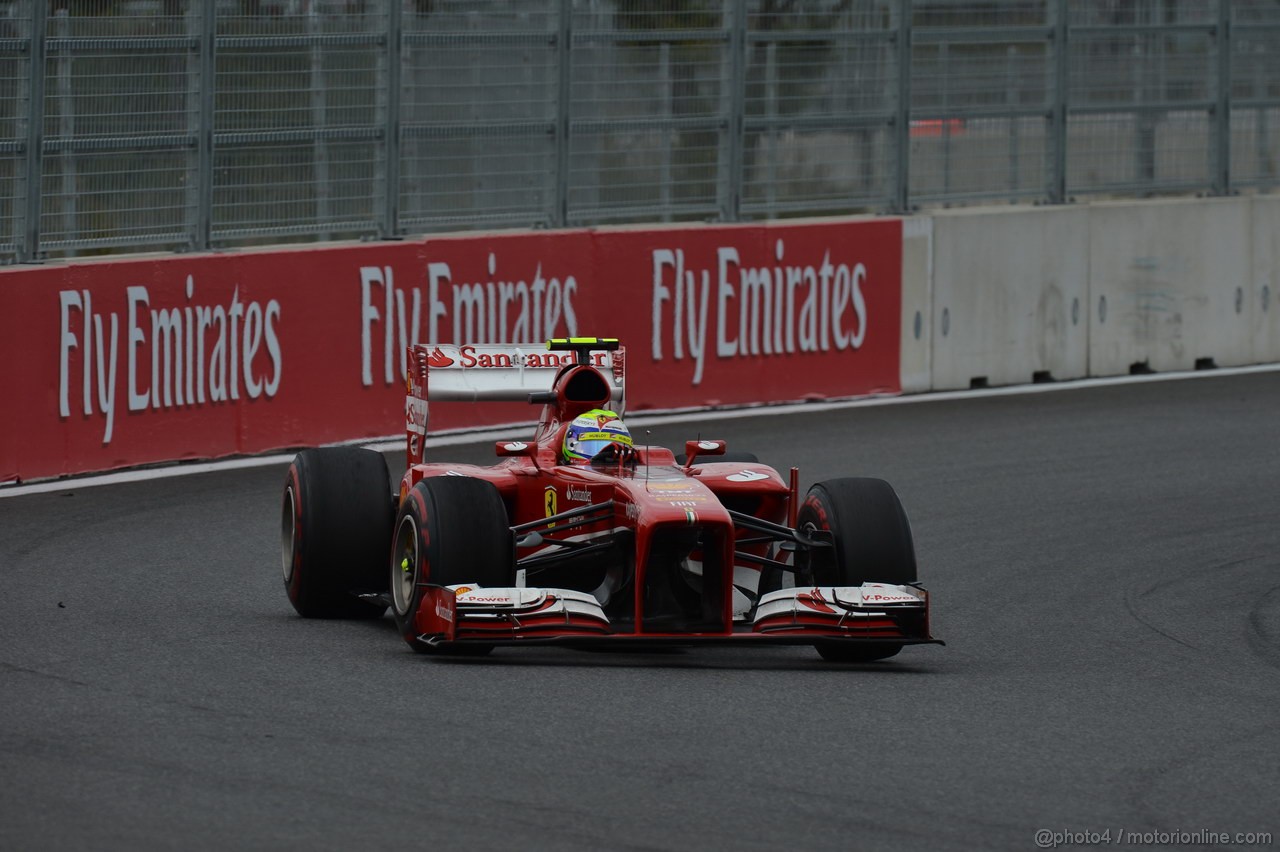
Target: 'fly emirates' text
point(756, 310)
point(198, 352)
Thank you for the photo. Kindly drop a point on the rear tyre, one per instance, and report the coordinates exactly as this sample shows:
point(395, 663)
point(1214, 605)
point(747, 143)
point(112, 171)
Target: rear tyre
point(450, 530)
point(873, 544)
point(335, 532)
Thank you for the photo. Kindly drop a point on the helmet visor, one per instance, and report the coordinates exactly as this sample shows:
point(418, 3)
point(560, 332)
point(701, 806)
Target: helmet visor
point(590, 444)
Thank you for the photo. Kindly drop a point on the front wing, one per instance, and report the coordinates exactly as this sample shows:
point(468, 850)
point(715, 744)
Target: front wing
point(873, 612)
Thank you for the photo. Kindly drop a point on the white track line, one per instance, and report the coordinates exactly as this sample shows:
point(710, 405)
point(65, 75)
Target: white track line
point(673, 416)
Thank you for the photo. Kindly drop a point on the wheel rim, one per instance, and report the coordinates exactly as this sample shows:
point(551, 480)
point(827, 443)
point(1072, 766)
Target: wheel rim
point(404, 565)
point(288, 535)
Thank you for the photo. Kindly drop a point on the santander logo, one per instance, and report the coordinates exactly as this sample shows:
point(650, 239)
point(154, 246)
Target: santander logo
point(439, 359)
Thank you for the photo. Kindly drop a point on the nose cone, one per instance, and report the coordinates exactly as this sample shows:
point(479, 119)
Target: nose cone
point(670, 497)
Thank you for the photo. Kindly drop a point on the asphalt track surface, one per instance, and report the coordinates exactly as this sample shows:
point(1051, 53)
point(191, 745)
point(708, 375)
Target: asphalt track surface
point(1105, 569)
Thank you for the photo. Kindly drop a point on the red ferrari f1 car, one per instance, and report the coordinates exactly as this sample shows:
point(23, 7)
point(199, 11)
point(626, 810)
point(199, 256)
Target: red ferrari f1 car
point(580, 537)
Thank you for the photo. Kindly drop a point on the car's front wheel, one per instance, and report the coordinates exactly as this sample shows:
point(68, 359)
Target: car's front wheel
point(872, 544)
point(450, 530)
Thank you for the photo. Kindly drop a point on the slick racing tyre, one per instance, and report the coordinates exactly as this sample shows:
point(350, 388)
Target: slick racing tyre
point(335, 532)
point(450, 530)
point(872, 544)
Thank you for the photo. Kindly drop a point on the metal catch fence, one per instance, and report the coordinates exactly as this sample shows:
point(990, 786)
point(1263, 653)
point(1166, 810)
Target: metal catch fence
point(178, 125)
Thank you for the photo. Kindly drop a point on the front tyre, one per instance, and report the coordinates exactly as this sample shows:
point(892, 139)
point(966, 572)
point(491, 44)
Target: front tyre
point(450, 530)
point(872, 544)
point(335, 531)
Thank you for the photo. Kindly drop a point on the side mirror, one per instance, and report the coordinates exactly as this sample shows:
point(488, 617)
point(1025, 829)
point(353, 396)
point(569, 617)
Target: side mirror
point(507, 449)
point(693, 449)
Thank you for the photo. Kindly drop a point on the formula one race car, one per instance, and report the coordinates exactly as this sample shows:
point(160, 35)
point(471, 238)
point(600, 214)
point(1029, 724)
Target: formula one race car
point(580, 537)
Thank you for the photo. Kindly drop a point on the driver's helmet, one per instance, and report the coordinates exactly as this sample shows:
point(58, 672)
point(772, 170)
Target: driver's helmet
point(592, 432)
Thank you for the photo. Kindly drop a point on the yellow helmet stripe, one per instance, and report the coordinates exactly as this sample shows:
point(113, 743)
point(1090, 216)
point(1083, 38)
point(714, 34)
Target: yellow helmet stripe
point(605, 436)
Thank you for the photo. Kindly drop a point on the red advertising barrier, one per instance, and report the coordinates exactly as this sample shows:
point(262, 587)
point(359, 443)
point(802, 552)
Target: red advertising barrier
point(118, 363)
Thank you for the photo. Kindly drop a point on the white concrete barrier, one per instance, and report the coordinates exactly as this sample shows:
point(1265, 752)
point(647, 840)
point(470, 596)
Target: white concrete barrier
point(1010, 289)
point(1168, 283)
point(1021, 294)
point(916, 362)
point(1265, 289)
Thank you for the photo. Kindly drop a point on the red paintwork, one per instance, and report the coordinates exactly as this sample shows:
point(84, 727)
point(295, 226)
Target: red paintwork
point(863, 627)
point(649, 495)
point(437, 614)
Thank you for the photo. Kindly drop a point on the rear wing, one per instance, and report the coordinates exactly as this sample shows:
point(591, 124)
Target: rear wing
point(499, 372)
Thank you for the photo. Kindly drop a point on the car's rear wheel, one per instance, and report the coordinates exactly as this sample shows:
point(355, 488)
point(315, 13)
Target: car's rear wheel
point(450, 530)
point(873, 543)
point(335, 531)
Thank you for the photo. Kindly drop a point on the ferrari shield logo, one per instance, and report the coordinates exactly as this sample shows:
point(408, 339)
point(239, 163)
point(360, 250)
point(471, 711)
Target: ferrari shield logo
point(549, 497)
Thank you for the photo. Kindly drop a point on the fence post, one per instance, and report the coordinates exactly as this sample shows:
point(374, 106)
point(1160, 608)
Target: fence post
point(319, 110)
point(1265, 165)
point(666, 112)
point(29, 250)
point(475, 160)
point(66, 131)
point(771, 115)
point(1011, 99)
point(389, 214)
point(203, 236)
point(1144, 93)
point(1057, 189)
point(564, 91)
point(1222, 106)
point(902, 120)
point(729, 186)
